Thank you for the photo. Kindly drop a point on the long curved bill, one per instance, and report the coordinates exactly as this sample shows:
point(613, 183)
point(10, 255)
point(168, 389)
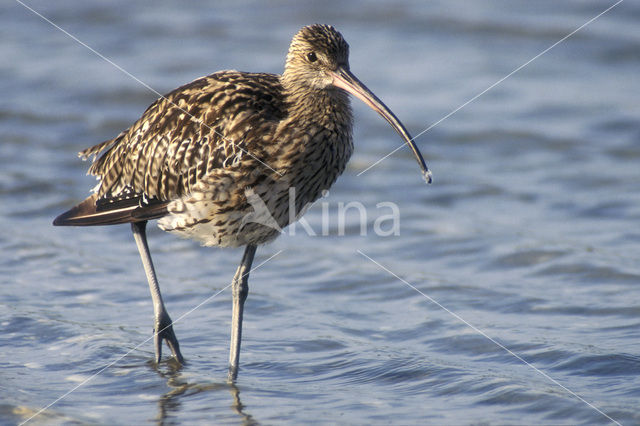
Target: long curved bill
point(343, 79)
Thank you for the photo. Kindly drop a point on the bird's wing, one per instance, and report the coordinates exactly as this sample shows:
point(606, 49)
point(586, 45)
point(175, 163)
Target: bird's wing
point(189, 132)
point(202, 126)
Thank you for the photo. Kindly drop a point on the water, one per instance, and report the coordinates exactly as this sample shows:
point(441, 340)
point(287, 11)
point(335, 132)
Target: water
point(529, 233)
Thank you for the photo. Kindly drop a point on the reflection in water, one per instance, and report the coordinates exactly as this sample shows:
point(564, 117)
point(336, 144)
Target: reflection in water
point(169, 404)
point(238, 407)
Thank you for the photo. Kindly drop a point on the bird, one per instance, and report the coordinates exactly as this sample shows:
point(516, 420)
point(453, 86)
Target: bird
point(229, 160)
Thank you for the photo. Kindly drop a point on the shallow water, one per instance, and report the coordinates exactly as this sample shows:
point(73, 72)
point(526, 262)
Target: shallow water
point(527, 241)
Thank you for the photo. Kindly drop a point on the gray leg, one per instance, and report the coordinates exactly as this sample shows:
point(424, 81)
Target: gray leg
point(163, 330)
point(240, 289)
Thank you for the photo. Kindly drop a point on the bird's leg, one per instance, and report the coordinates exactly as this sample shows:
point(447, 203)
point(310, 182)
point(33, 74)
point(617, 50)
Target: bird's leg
point(239, 290)
point(163, 329)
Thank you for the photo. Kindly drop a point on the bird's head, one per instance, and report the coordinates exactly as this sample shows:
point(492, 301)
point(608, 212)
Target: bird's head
point(315, 54)
point(318, 59)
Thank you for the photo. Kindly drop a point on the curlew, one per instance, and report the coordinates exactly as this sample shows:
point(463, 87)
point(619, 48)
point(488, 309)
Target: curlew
point(223, 159)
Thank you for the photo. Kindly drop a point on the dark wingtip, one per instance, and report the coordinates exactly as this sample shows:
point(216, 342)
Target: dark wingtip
point(60, 220)
point(92, 212)
point(76, 216)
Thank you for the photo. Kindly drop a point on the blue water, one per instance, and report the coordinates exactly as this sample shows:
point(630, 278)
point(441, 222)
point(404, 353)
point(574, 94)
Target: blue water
point(527, 241)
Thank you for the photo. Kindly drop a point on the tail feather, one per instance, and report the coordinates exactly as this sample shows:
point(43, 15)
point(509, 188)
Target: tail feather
point(95, 212)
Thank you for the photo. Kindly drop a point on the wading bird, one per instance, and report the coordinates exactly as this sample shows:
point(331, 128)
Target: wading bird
point(199, 154)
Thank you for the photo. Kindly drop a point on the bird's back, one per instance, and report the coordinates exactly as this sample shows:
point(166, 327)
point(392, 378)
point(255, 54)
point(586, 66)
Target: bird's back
point(204, 125)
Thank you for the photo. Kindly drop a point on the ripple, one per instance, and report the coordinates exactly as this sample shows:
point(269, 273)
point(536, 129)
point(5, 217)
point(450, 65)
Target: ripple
point(602, 365)
point(590, 274)
point(527, 258)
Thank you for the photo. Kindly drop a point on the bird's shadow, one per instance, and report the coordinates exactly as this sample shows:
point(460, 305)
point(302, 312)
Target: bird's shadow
point(169, 404)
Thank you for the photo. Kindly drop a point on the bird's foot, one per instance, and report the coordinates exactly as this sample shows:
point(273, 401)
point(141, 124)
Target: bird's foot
point(164, 331)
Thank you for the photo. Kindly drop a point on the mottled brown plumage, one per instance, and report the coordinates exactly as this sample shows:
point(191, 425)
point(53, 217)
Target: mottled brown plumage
point(221, 159)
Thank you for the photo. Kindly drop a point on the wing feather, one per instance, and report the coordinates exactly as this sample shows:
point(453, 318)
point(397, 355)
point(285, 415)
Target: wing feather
point(190, 132)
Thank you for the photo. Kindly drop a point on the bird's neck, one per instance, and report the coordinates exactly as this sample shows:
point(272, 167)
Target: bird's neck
point(320, 124)
point(328, 108)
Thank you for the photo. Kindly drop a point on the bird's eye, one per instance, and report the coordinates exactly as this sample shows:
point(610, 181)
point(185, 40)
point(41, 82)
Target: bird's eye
point(311, 57)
